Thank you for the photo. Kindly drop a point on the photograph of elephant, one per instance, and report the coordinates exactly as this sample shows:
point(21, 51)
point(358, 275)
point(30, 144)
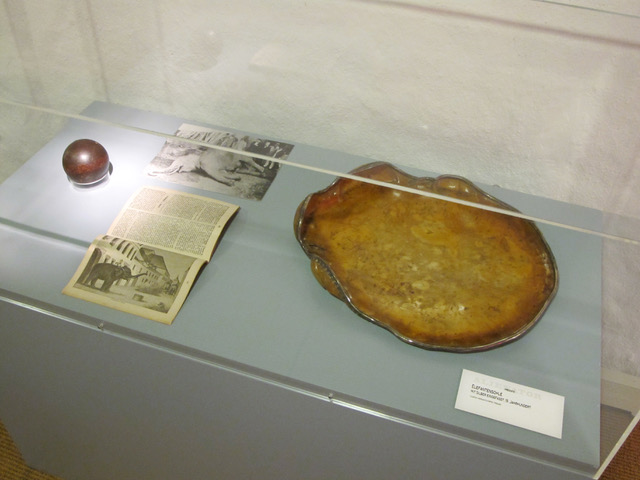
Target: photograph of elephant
point(135, 278)
point(220, 170)
point(108, 273)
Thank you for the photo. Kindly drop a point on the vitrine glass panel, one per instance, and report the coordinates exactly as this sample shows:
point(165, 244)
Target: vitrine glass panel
point(535, 99)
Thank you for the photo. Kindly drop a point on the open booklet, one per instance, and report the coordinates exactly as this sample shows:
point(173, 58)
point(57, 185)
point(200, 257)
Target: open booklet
point(148, 260)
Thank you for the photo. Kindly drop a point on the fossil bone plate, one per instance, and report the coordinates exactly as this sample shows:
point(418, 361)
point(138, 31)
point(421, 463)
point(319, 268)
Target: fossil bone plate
point(437, 274)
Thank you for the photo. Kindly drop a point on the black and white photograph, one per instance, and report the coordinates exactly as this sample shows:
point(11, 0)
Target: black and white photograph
point(124, 272)
point(218, 170)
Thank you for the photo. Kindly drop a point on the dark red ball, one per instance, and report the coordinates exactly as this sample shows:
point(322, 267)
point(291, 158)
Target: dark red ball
point(85, 162)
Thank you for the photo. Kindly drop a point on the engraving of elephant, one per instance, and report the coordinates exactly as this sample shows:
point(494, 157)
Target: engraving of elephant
point(108, 273)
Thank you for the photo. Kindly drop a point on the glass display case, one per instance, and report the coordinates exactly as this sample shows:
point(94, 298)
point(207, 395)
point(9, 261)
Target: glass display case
point(533, 101)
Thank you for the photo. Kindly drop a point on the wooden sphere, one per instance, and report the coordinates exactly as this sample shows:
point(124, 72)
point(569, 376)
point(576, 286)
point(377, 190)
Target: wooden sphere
point(85, 162)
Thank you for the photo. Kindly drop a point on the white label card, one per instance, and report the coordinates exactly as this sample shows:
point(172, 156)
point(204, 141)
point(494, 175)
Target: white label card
point(511, 403)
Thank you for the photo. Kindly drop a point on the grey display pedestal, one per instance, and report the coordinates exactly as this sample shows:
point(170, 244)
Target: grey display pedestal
point(263, 374)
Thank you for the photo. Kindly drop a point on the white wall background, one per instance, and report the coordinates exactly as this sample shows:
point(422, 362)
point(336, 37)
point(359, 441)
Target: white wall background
point(533, 96)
